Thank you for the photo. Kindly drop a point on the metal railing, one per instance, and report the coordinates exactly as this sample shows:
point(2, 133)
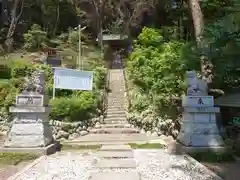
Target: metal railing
point(126, 87)
point(105, 96)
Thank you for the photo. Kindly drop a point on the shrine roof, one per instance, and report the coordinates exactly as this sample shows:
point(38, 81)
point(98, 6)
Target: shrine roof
point(230, 100)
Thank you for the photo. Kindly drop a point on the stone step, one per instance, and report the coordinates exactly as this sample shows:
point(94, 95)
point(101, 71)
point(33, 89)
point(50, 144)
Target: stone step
point(119, 103)
point(114, 175)
point(93, 139)
point(116, 100)
point(114, 131)
point(116, 112)
point(115, 119)
point(116, 125)
point(116, 163)
point(115, 95)
point(115, 154)
point(116, 116)
point(115, 109)
point(115, 122)
point(121, 147)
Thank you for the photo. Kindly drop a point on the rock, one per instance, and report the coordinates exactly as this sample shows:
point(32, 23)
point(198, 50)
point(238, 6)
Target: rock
point(156, 129)
point(3, 133)
point(98, 125)
point(154, 134)
point(167, 138)
point(73, 136)
point(159, 133)
point(142, 131)
point(89, 128)
point(62, 134)
point(132, 126)
point(148, 133)
point(4, 128)
point(79, 129)
point(84, 127)
point(83, 133)
point(67, 127)
point(175, 133)
point(127, 125)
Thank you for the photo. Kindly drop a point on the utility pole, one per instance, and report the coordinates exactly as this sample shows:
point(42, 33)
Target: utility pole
point(100, 26)
point(79, 47)
point(79, 59)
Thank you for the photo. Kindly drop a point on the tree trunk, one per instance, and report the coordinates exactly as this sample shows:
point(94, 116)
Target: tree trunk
point(197, 16)
point(14, 20)
point(57, 20)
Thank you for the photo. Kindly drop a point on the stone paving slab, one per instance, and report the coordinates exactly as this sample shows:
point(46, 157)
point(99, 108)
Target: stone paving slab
point(115, 154)
point(116, 148)
point(116, 163)
point(115, 176)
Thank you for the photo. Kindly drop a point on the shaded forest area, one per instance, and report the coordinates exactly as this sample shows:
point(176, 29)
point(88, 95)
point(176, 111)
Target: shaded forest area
point(210, 26)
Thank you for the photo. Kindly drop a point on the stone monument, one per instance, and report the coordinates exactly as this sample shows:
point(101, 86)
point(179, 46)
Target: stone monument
point(199, 130)
point(30, 128)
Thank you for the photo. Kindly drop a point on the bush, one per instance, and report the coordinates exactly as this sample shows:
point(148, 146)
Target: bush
point(21, 68)
point(35, 38)
point(4, 72)
point(69, 105)
point(75, 108)
point(156, 71)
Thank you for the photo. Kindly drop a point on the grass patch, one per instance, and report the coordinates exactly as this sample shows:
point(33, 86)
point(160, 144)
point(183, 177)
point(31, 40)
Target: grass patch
point(65, 147)
point(4, 81)
point(213, 156)
point(16, 158)
point(146, 146)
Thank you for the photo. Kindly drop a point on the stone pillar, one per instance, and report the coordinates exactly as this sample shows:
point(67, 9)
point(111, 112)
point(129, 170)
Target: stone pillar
point(31, 125)
point(30, 128)
point(199, 130)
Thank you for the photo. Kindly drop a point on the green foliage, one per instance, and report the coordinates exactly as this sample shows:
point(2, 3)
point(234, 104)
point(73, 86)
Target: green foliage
point(35, 38)
point(16, 158)
point(223, 50)
point(21, 68)
point(147, 146)
point(75, 108)
point(68, 105)
point(211, 156)
point(156, 70)
point(157, 67)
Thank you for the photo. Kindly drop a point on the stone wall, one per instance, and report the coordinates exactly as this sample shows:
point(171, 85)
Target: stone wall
point(61, 130)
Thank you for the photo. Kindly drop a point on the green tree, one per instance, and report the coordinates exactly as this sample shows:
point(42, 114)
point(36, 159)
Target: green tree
point(35, 38)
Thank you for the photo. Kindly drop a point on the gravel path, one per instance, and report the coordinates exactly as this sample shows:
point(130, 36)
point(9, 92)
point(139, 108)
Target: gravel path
point(161, 165)
point(151, 164)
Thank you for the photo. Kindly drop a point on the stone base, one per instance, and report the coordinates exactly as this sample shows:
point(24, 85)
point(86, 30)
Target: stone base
point(29, 135)
point(200, 140)
point(50, 149)
point(199, 128)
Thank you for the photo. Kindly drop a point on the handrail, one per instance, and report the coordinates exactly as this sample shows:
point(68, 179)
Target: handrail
point(105, 96)
point(126, 87)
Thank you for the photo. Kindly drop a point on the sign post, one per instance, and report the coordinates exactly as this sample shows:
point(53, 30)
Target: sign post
point(65, 78)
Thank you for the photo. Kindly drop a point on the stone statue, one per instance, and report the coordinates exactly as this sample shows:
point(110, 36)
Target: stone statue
point(34, 84)
point(196, 86)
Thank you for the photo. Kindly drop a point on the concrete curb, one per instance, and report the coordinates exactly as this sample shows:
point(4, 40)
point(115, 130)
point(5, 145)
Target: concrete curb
point(15, 176)
point(194, 161)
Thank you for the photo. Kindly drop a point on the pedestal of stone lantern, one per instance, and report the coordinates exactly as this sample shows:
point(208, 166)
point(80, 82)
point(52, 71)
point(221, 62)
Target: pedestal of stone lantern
point(199, 130)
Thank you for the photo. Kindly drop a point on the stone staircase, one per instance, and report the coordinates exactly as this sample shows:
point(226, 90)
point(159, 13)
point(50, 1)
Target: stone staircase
point(114, 129)
point(116, 120)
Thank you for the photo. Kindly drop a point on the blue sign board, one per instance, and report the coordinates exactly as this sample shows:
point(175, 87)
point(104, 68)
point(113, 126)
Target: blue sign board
point(65, 78)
